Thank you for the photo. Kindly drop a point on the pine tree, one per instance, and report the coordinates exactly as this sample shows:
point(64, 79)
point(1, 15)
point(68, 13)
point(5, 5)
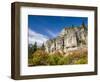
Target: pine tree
point(43, 47)
point(83, 26)
point(34, 47)
point(63, 43)
point(72, 26)
point(30, 51)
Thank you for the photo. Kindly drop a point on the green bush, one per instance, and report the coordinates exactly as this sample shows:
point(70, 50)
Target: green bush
point(81, 61)
point(51, 60)
point(64, 61)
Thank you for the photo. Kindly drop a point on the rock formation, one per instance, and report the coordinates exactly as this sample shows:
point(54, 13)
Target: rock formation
point(70, 38)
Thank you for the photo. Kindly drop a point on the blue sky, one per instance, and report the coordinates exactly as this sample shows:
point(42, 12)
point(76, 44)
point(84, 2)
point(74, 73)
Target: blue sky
point(50, 26)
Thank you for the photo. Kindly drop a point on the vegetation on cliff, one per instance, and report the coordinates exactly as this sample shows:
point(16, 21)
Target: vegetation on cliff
point(40, 57)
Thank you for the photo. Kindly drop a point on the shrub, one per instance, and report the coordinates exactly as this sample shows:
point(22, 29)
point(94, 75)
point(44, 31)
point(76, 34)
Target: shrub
point(64, 61)
point(51, 60)
point(54, 59)
point(40, 57)
point(81, 61)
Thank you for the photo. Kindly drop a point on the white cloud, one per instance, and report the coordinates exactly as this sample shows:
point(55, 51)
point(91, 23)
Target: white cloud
point(51, 33)
point(36, 37)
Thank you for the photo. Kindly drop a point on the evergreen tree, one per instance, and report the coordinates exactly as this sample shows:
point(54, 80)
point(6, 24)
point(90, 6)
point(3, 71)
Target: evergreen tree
point(34, 47)
point(29, 51)
point(55, 43)
point(83, 26)
point(72, 26)
point(63, 43)
point(43, 47)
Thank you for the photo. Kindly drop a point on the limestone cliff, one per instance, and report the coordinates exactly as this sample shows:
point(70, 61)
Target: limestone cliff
point(70, 38)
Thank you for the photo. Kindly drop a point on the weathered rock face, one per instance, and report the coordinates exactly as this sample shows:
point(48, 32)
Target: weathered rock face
point(70, 38)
